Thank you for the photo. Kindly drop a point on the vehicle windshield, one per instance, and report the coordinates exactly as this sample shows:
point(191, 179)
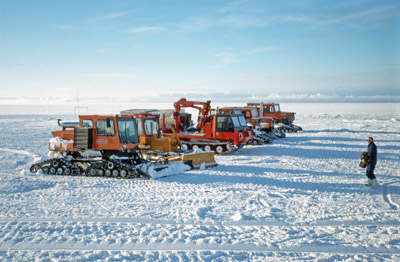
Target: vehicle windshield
point(256, 106)
point(254, 113)
point(242, 120)
point(277, 109)
point(127, 130)
point(235, 121)
point(225, 111)
point(151, 127)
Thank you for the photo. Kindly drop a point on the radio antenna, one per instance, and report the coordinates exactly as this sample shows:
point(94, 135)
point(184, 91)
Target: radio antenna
point(78, 107)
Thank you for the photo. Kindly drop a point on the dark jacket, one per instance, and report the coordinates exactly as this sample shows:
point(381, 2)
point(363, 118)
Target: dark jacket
point(372, 153)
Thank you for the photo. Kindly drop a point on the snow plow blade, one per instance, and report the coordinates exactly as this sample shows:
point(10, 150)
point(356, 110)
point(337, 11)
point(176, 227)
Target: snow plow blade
point(199, 159)
point(158, 170)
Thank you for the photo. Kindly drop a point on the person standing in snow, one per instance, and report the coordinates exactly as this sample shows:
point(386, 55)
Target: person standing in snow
point(371, 163)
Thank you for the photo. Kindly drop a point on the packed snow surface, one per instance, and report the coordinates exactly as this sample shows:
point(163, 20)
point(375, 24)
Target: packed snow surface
point(301, 198)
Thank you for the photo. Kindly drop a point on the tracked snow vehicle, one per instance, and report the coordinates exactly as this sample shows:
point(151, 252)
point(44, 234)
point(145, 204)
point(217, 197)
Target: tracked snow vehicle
point(217, 132)
point(102, 145)
point(260, 127)
point(154, 146)
point(283, 119)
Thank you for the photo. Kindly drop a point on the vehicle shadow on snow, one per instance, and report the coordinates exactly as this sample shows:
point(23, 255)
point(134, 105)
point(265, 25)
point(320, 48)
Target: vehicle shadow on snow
point(300, 183)
point(352, 131)
point(329, 151)
point(306, 153)
point(335, 142)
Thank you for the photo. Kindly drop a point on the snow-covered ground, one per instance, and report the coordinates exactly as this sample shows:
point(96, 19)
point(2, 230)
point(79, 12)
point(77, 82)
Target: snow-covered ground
point(299, 198)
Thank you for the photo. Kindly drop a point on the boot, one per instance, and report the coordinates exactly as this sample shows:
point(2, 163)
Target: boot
point(369, 182)
point(374, 184)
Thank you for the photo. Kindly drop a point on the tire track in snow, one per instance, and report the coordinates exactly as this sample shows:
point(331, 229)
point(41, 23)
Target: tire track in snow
point(386, 192)
point(306, 249)
point(387, 196)
point(269, 223)
point(35, 157)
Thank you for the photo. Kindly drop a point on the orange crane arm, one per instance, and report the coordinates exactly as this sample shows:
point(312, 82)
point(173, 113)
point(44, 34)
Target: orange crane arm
point(203, 107)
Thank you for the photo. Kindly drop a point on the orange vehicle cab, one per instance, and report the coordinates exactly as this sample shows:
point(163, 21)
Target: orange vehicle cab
point(273, 110)
point(97, 132)
point(252, 117)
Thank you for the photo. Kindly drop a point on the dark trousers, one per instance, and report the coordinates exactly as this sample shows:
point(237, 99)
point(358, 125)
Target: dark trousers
point(370, 170)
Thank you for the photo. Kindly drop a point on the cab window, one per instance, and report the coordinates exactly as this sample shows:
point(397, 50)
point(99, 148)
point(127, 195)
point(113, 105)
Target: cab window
point(102, 129)
point(151, 127)
point(255, 113)
point(236, 121)
point(140, 127)
point(87, 123)
point(268, 109)
point(224, 124)
point(127, 130)
point(242, 120)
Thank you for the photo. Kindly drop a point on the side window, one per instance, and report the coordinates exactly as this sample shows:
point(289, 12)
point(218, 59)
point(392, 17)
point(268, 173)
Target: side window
point(224, 124)
point(87, 123)
point(103, 130)
point(140, 127)
point(269, 109)
point(151, 127)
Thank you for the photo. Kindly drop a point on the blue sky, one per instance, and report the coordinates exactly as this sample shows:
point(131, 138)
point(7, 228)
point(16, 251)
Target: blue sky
point(294, 51)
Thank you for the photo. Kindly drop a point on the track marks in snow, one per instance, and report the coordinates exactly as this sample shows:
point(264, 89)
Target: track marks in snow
point(80, 236)
point(18, 159)
point(391, 194)
point(22, 152)
point(299, 198)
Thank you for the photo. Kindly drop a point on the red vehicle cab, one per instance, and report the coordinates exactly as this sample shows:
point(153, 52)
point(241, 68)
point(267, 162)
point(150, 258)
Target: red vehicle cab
point(252, 117)
point(273, 110)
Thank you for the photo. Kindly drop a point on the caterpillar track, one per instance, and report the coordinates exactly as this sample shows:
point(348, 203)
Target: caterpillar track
point(105, 146)
point(207, 145)
point(289, 128)
point(117, 168)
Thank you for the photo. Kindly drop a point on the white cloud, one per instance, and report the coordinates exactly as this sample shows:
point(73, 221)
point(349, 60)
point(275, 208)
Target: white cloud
point(108, 75)
point(114, 15)
point(143, 29)
point(264, 50)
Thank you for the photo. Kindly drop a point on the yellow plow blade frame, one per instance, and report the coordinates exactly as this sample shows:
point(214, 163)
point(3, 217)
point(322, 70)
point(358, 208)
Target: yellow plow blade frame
point(199, 158)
